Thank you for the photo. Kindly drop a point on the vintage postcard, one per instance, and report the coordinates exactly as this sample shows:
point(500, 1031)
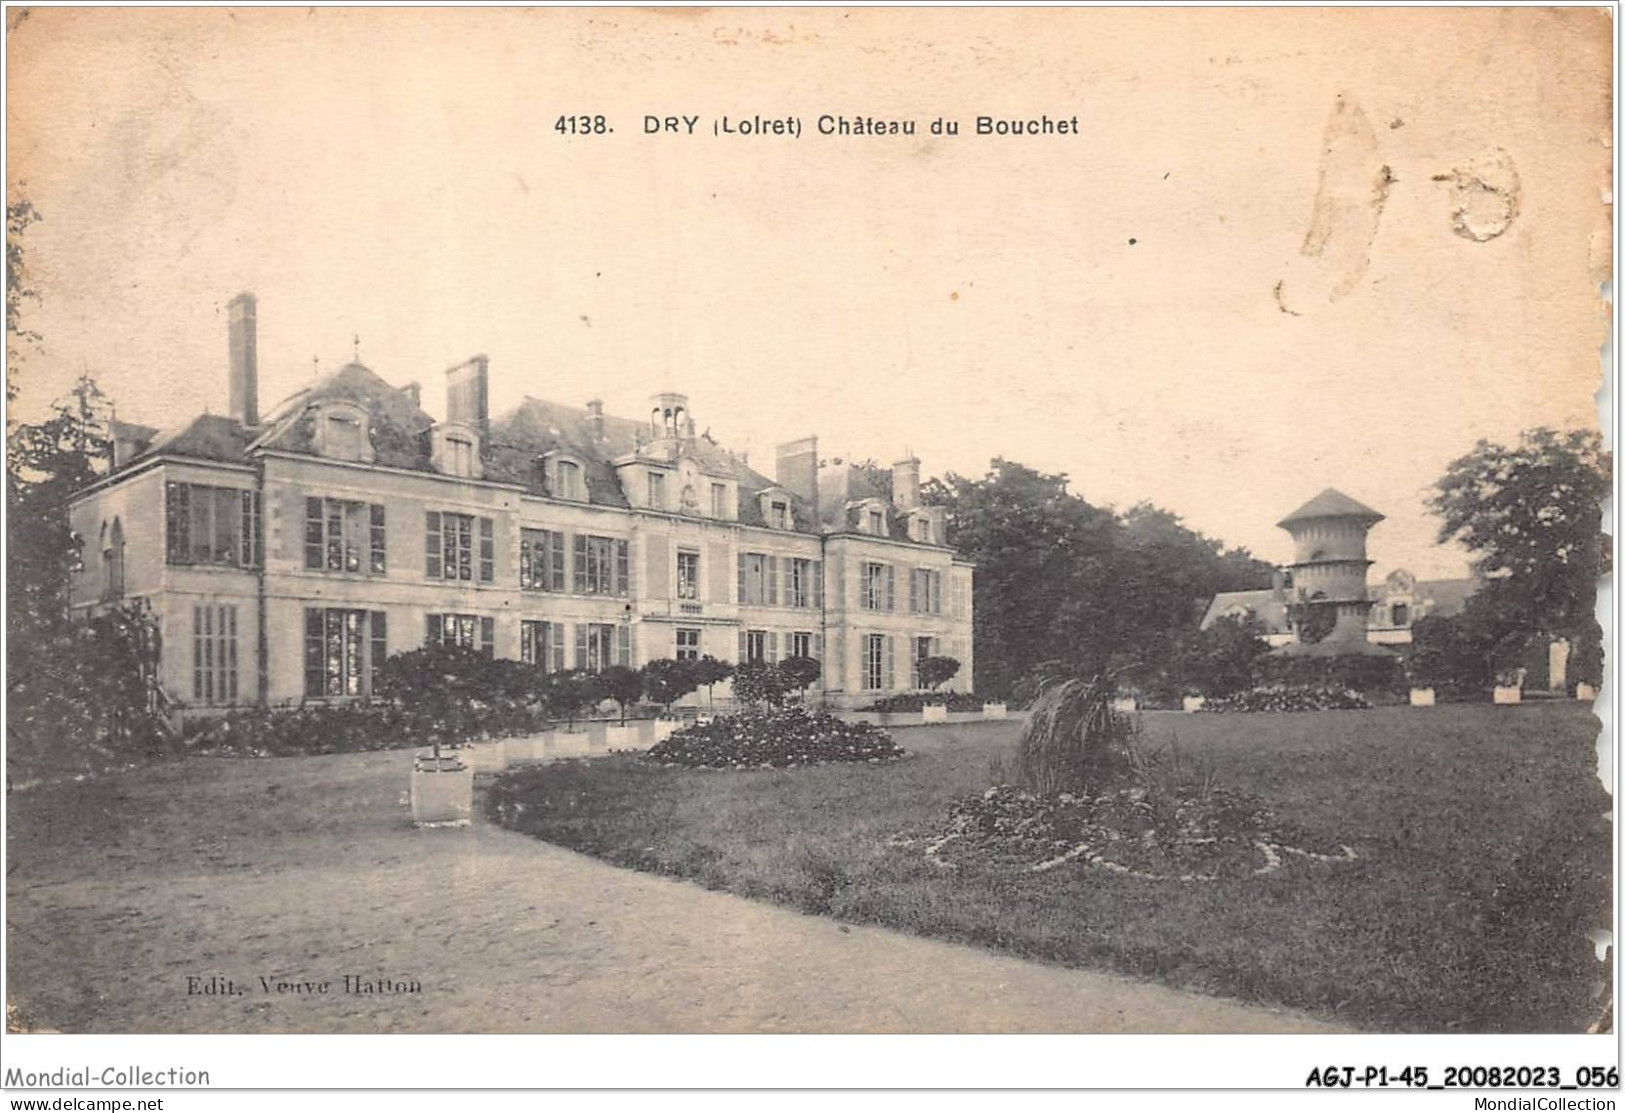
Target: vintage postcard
point(742, 520)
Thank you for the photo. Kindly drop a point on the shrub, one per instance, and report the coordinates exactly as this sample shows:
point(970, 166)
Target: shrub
point(779, 737)
point(937, 671)
point(708, 672)
point(801, 672)
point(451, 693)
point(1362, 672)
point(572, 693)
point(1290, 697)
point(915, 701)
point(665, 681)
point(621, 684)
point(760, 682)
point(1072, 741)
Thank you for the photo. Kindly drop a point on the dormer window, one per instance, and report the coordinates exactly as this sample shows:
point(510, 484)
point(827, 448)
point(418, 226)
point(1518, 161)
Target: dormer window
point(877, 522)
point(460, 457)
point(568, 483)
point(341, 432)
point(456, 450)
point(657, 491)
point(779, 514)
point(719, 500)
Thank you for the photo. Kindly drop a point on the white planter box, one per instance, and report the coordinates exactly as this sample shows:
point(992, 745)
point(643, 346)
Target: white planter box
point(1125, 705)
point(622, 738)
point(563, 744)
point(486, 757)
point(526, 748)
point(665, 728)
point(443, 795)
point(993, 711)
point(1193, 703)
point(934, 713)
point(1508, 694)
point(1422, 697)
point(1585, 692)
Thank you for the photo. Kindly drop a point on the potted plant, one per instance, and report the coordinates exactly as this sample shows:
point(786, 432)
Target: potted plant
point(1509, 686)
point(624, 686)
point(801, 673)
point(935, 672)
point(570, 693)
point(435, 688)
point(709, 672)
point(1191, 700)
point(665, 681)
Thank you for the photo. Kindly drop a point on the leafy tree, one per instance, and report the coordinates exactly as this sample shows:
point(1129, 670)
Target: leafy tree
point(709, 672)
point(666, 680)
point(801, 672)
point(573, 692)
point(623, 685)
point(1531, 516)
point(937, 671)
point(442, 688)
point(760, 682)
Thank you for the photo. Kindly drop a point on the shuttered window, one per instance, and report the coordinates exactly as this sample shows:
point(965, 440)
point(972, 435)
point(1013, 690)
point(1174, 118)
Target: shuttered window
point(879, 587)
point(467, 630)
point(214, 654)
point(602, 565)
point(542, 644)
point(344, 536)
point(344, 649)
point(449, 547)
point(211, 525)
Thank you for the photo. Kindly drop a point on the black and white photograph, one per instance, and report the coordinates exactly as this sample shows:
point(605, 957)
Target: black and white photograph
point(800, 521)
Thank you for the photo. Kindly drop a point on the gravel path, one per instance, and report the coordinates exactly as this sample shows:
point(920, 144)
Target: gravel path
point(306, 869)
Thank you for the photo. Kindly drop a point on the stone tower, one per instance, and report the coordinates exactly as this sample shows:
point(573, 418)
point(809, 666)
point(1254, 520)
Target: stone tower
point(1329, 565)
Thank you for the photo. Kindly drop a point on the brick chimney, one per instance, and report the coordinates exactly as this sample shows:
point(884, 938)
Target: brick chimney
point(905, 483)
point(242, 343)
point(796, 470)
point(595, 417)
point(468, 398)
point(414, 392)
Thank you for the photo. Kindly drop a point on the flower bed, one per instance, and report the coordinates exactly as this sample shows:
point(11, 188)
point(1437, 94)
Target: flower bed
point(917, 701)
point(1188, 834)
point(1290, 697)
point(780, 738)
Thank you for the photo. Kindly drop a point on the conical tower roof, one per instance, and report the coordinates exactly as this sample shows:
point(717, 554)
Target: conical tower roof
point(1331, 503)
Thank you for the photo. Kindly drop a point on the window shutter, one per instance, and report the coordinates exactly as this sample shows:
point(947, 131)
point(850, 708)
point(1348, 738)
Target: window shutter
point(623, 643)
point(581, 565)
point(431, 544)
point(250, 551)
point(914, 591)
point(717, 570)
point(434, 630)
point(379, 630)
point(818, 584)
point(581, 645)
point(313, 650)
point(623, 568)
point(818, 647)
point(378, 540)
point(178, 513)
point(890, 677)
point(891, 587)
point(772, 645)
point(743, 647)
point(315, 539)
point(488, 551)
point(772, 563)
point(743, 596)
point(556, 662)
point(488, 636)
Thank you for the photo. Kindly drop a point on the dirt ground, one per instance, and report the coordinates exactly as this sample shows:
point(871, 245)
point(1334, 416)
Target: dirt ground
point(132, 897)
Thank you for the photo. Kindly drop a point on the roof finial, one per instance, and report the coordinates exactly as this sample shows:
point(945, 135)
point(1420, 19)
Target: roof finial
point(315, 365)
point(356, 343)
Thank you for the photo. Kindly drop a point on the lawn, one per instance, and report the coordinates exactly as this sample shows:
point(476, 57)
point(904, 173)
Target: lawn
point(1483, 837)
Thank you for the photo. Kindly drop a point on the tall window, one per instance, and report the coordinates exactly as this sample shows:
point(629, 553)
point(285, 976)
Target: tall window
point(923, 647)
point(342, 536)
point(803, 582)
point(755, 646)
point(460, 457)
point(657, 491)
point(923, 531)
point(467, 630)
point(450, 546)
point(541, 560)
point(879, 586)
point(688, 574)
point(211, 525)
point(569, 485)
point(542, 644)
point(719, 500)
point(801, 644)
point(214, 654)
point(344, 649)
point(925, 591)
point(758, 580)
point(877, 523)
point(113, 561)
point(688, 644)
point(602, 644)
point(601, 565)
point(876, 657)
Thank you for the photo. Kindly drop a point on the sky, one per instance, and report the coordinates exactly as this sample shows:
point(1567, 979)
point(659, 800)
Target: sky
point(1204, 298)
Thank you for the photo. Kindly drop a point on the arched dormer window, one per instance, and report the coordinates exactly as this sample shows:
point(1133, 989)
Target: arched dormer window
point(777, 508)
point(567, 477)
point(455, 450)
point(342, 431)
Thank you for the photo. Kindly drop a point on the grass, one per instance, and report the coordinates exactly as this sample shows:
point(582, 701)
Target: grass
point(1483, 834)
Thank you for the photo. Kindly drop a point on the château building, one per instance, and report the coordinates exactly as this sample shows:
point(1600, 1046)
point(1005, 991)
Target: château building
point(284, 556)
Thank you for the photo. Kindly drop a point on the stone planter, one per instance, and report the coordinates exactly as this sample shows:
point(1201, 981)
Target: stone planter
point(1193, 703)
point(1585, 692)
point(486, 757)
point(1422, 697)
point(934, 713)
point(1126, 705)
point(993, 711)
point(617, 738)
point(442, 792)
point(525, 749)
point(564, 744)
point(1509, 693)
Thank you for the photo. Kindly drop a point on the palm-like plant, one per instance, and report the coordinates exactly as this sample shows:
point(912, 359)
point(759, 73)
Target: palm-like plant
point(1072, 741)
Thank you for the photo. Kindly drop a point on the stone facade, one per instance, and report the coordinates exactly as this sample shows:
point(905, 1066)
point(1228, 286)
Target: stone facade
point(283, 559)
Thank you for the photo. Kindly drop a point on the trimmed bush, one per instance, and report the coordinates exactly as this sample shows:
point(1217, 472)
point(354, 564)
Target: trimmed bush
point(779, 737)
point(341, 728)
point(1361, 672)
point(1289, 697)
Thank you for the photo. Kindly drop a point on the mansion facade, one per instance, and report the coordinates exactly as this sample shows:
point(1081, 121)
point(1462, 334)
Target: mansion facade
point(284, 558)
